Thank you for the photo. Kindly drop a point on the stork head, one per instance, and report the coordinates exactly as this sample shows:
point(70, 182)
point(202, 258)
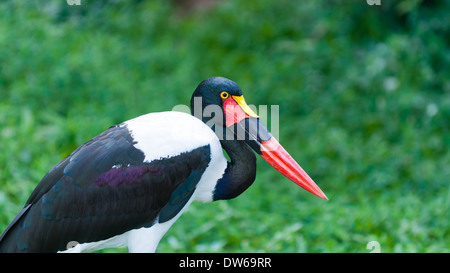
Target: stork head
point(219, 103)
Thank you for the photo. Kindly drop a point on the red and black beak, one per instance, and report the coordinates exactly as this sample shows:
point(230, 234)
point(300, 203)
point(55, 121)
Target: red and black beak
point(245, 125)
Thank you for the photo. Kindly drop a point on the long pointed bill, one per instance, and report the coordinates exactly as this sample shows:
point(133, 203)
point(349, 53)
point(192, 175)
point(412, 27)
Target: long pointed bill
point(245, 125)
point(282, 161)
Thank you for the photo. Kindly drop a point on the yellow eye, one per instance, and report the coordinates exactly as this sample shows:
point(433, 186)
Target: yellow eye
point(224, 95)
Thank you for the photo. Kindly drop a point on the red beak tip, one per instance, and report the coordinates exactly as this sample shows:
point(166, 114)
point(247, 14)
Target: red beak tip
point(324, 197)
point(318, 192)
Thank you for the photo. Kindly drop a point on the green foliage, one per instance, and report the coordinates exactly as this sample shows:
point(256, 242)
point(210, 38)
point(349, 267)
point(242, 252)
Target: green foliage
point(364, 95)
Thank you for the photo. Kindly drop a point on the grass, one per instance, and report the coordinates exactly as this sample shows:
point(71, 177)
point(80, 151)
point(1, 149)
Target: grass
point(364, 96)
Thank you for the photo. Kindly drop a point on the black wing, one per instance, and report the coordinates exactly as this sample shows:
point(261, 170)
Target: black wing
point(101, 190)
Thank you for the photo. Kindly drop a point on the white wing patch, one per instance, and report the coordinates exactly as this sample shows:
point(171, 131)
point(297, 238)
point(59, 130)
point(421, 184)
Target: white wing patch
point(167, 134)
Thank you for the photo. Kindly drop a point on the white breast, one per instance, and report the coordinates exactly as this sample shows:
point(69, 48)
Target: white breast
point(166, 134)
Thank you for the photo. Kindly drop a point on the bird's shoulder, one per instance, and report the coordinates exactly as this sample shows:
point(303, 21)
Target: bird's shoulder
point(165, 134)
point(130, 149)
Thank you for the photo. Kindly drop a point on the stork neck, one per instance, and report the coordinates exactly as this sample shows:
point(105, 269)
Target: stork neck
point(240, 172)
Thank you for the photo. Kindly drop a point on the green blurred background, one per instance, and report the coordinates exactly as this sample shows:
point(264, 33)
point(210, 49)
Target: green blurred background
point(364, 96)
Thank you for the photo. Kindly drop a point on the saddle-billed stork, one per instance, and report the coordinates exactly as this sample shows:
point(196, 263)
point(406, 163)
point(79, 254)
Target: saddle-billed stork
point(128, 185)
